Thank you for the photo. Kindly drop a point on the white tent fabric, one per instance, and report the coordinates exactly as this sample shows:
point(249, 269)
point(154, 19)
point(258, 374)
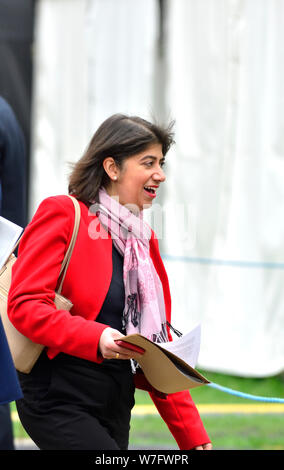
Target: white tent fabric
point(223, 197)
point(225, 73)
point(60, 98)
point(92, 58)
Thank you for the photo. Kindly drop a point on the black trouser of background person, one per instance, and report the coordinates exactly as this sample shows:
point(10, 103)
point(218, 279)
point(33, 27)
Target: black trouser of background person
point(6, 432)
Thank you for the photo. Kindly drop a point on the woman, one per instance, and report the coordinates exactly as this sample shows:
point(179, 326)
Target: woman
point(80, 393)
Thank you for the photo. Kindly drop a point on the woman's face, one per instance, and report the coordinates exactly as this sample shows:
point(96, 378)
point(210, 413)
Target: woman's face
point(138, 181)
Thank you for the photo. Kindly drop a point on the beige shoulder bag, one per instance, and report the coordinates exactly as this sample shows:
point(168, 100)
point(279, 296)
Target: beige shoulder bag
point(24, 352)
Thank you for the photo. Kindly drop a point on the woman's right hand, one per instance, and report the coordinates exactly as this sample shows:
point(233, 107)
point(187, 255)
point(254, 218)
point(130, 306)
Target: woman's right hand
point(109, 348)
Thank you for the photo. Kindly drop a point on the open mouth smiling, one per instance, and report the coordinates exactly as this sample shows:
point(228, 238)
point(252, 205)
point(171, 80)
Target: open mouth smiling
point(151, 190)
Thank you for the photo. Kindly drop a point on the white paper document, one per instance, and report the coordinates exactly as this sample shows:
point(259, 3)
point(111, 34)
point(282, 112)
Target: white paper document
point(9, 234)
point(186, 347)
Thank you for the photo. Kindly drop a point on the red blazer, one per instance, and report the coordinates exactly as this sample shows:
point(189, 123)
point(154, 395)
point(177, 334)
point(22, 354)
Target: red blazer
point(31, 300)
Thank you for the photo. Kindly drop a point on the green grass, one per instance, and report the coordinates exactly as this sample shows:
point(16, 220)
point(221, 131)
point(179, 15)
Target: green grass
point(259, 432)
point(266, 387)
point(19, 432)
point(238, 432)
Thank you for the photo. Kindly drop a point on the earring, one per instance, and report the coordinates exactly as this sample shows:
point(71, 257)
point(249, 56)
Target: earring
point(115, 178)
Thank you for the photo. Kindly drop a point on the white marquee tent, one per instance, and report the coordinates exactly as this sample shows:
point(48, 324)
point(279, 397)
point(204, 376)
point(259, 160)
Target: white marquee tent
point(219, 74)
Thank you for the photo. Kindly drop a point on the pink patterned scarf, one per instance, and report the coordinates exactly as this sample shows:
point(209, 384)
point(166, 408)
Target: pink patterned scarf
point(144, 310)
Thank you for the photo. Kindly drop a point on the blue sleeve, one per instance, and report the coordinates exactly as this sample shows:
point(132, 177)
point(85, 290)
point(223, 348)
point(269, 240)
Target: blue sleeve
point(10, 389)
point(12, 166)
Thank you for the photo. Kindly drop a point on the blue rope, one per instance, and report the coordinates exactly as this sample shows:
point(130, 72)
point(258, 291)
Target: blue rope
point(245, 395)
point(236, 263)
point(222, 262)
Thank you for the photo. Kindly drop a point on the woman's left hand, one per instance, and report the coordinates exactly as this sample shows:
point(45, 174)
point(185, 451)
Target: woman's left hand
point(110, 350)
point(207, 446)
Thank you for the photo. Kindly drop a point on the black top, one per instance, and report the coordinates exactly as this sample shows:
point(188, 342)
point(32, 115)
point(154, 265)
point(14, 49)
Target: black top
point(111, 315)
point(113, 306)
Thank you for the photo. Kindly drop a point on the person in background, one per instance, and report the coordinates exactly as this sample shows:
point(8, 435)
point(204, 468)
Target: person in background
point(12, 166)
point(13, 208)
point(80, 393)
point(10, 390)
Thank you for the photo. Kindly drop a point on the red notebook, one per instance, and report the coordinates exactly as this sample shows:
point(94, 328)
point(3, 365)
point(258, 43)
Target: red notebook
point(130, 346)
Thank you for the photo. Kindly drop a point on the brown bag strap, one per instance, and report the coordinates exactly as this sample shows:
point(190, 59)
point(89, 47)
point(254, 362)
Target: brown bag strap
point(69, 251)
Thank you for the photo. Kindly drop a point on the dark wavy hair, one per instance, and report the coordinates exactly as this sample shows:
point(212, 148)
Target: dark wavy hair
point(120, 137)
